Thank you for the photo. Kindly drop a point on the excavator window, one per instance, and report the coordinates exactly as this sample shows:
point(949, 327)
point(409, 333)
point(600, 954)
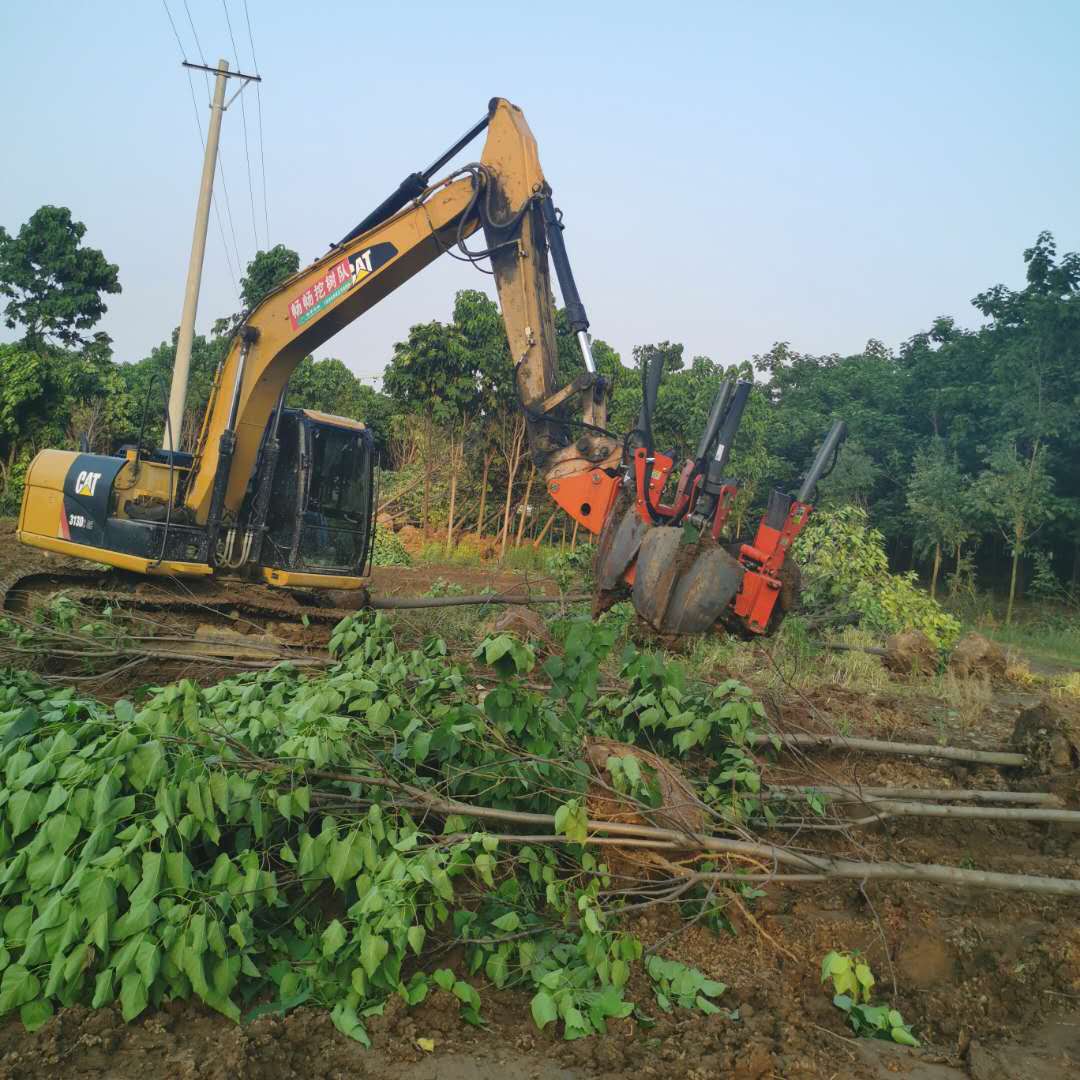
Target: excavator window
point(321, 494)
point(284, 496)
point(335, 526)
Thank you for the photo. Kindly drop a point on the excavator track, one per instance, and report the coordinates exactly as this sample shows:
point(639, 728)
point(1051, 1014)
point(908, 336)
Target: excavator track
point(227, 619)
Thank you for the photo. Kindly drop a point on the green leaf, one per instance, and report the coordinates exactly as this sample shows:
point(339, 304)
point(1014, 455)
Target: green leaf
point(103, 989)
point(507, 923)
point(829, 960)
point(344, 861)
point(903, 1036)
point(866, 979)
point(178, 870)
point(348, 1023)
point(378, 714)
point(148, 960)
point(484, 863)
point(219, 790)
point(466, 993)
point(496, 648)
point(133, 996)
point(333, 937)
point(146, 766)
point(97, 894)
point(543, 1009)
point(17, 987)
point(27, 721)
point(445, 979)
point(415, 936)
point(138, 917)
point(373, 950)
point(23, 810)
point(571, 820)
point(17, 922)
point(34, 1013)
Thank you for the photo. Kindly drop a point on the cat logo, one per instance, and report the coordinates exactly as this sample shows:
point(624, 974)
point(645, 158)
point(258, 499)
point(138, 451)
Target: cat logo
point(86, 483)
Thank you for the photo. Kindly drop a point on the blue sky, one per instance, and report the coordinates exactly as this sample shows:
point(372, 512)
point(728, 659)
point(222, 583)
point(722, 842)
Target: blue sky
point(730, 174)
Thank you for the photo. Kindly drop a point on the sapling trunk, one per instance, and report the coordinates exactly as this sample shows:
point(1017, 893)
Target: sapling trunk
point(488, 454)
point(857, 793)
point(543, 532)
point(878, 746)
point(525, 508)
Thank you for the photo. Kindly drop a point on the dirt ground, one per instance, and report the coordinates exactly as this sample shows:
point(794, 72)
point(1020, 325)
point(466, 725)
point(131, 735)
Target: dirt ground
point(989, 980)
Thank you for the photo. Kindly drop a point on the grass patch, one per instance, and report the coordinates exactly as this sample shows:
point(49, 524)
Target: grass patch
point(1044, 643)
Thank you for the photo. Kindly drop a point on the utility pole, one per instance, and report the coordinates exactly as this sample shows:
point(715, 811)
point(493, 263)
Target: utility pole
point(182, 366)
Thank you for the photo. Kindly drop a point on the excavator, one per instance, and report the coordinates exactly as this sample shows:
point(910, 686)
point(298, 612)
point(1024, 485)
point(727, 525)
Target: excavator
point(278, 498)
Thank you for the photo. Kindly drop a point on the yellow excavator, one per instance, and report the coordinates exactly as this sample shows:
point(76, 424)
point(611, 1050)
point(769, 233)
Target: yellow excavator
point(283, 498)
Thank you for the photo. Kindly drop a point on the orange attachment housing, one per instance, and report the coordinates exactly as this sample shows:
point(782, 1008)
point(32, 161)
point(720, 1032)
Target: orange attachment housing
point(763, 559)
point(586, 496)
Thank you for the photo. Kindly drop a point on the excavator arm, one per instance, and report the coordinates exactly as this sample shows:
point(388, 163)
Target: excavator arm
point(505, 193)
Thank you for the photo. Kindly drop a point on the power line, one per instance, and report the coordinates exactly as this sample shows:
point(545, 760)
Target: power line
point(176, 35)
point(243, 116)
point(233, 276)
point(258, 99)
point(220, 161)
point(195, 33)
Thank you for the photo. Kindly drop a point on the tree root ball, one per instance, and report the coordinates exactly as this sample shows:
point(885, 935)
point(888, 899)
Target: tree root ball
point(911, 653)
point(975, 655)
point(526, 623)
point(1050, 741)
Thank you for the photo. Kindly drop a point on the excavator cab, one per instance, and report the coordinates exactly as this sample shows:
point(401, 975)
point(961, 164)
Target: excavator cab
point(320, 518)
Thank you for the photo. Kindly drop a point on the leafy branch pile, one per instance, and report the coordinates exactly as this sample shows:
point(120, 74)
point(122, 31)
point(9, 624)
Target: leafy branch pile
point(271, 840)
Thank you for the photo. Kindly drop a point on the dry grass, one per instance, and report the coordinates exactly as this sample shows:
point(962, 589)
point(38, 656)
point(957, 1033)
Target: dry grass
point(854, 670)
point(1017, 671)
point(1066, 686)
point(967, 698)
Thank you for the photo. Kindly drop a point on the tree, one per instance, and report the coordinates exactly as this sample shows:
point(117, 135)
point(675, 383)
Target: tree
point(937, 497)
point(852, 480)
point(266, 271)
point(54, 397)
point(426, 376)
point(53, 284)
point(327, 385)
point(148, 382)
point(869, 391)
point(1015, 491)
point(1033, 358)
point(481, 334)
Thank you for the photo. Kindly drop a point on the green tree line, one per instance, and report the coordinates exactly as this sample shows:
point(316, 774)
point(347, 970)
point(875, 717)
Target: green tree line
point(964, 445)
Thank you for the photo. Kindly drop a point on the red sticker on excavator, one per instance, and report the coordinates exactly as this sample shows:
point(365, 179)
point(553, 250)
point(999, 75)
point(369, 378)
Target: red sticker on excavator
point(335, 281)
